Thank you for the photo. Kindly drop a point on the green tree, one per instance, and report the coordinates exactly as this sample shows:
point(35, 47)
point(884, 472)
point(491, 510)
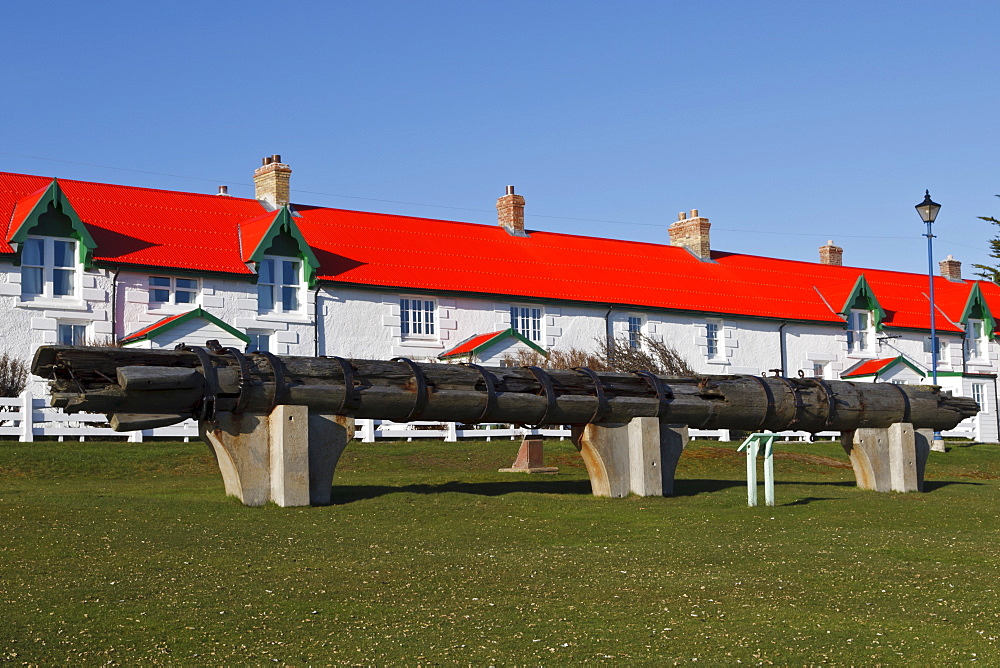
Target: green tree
point(991, 273)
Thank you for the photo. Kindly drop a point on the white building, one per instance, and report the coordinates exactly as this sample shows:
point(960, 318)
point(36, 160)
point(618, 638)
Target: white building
point(86, 262)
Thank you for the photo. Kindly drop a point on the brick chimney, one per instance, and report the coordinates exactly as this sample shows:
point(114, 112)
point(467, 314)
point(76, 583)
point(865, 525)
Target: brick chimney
point(951, 269)
point(510, 213)
point(692, 233)
point(271, 182)
point(830, 254)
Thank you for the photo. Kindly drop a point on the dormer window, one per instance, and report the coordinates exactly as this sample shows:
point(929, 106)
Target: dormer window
point(48, 268)
point(975, 339)
point(279, 285)
point(860, 331)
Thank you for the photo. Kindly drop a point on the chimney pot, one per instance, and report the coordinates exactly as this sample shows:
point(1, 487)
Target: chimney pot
point(223, 190)
point(510, 213)
point(831, 254)
point(951, 269)
point(693, 234)
point(271, 182)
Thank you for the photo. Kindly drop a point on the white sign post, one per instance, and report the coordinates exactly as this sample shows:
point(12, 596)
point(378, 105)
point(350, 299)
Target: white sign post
point(753, 446)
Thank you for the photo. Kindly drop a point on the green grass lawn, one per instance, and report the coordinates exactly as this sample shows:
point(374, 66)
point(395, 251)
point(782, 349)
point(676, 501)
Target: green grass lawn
point(127, 553)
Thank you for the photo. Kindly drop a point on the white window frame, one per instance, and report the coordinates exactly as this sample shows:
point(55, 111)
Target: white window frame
point(49, 269)
point(981, 395)
point(633, 331)
point(172, 288)
point(256, 337)
point(860, 335)
point(715, 348)
point(279, 286)
point(976, 341)
point(418, 317)
point(528, 321)
point(77, 330)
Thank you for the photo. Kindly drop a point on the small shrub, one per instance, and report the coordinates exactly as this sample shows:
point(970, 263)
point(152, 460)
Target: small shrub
point(651, 355)
point(13, 376)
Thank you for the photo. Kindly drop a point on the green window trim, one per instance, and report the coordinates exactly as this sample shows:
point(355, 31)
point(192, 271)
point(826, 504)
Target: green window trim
point(54, 198)
point(283, 223)
point(863, 298)
point(977, 309)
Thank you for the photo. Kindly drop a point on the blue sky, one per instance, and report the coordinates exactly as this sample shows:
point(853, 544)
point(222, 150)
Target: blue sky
point(785, 123)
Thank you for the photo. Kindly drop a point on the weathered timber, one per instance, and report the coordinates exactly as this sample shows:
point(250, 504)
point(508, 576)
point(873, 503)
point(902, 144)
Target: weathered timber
point(87, 379)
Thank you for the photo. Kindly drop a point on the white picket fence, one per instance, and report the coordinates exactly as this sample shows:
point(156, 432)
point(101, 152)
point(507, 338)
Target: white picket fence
point(27, 417)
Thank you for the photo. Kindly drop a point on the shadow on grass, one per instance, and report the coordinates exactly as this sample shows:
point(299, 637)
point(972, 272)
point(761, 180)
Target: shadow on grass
point(343, 494)
point(931, 485)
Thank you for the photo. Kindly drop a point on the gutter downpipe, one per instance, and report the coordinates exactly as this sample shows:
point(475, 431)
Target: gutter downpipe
point(318, 315)
point(781, 347)
point(114, 304)
point(609, 332)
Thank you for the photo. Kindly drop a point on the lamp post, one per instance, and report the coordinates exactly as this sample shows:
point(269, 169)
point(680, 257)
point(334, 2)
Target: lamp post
point(928, 210)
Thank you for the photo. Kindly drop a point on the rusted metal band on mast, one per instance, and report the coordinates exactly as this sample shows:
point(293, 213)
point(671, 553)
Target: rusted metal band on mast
point(420, 402)
point(350, 398)
point(491, 389)
point(278, 371)
point(664, 394)
point(602, 400)
point(211, 393)
point(548, 391)
point(906, 401)
point(769, 396)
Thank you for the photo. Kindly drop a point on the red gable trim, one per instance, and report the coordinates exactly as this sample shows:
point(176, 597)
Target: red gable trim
point(23, 209)
point(172, 321)
point(878, 367)
point(477, 343)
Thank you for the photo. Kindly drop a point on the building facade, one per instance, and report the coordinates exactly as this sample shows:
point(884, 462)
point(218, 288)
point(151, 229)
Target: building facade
point(94, 263)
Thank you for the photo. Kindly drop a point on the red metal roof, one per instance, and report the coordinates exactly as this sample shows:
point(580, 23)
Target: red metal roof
point(468, 346)
point(152, 328)
point(188, 231)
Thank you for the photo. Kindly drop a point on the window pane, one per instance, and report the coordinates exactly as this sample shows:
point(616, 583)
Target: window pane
point(265, 298)
point(162, 296)
point(289, 299)
point(159, 281)
point(184, 297)
point(429, 317)
point(62, 252)
point(265, 274)
point(62, 282)
point(290, 273)
point(33, 252)
point(72, 335)
point(187, 284)
point(31, 280)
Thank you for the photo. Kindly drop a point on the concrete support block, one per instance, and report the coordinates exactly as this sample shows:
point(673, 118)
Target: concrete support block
point(902, 458)
point(288, 457)
point(673, 440)
point(887, 460)
point(922, 439)
point(328, 436)
point(638, 457)
point(645, 461)
point(605, 451)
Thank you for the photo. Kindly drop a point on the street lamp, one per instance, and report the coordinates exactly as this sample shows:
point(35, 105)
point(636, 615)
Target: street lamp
point(928, 210)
